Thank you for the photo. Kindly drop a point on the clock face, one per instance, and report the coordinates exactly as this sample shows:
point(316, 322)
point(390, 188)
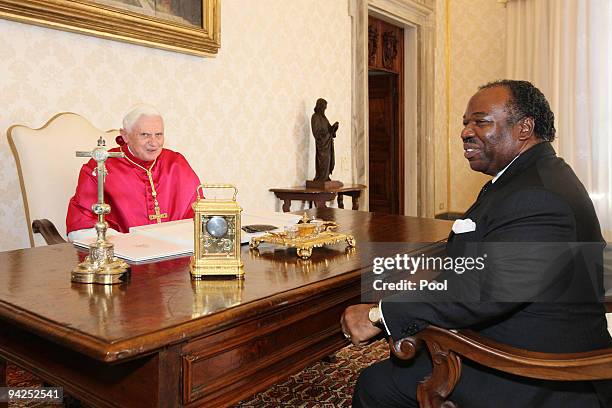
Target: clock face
point(217, 227)
point(217, 235)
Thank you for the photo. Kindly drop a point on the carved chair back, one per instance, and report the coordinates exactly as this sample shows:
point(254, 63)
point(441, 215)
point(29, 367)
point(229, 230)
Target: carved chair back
point(48, 168)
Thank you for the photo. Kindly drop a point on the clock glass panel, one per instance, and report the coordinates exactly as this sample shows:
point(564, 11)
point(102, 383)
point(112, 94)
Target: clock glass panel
point(217, 235)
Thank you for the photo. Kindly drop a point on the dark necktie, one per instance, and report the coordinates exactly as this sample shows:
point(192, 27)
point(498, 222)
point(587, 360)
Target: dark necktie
point(484, 189)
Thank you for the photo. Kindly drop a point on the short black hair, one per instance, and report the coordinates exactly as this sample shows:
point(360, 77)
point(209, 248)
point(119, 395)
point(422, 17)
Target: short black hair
point(528, 101)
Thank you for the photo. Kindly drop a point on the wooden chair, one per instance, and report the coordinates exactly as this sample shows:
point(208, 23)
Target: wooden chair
point(48, 170)
point(447, 348)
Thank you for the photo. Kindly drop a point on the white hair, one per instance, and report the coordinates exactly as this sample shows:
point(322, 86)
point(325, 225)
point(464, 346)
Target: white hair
point(130, 119)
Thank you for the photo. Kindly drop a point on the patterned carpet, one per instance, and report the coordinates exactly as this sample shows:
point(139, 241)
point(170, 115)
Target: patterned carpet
point(322, 385)
point(16, 377)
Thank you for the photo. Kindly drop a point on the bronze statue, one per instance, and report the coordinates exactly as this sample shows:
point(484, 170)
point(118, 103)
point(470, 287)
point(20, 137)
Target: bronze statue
point(324, 135)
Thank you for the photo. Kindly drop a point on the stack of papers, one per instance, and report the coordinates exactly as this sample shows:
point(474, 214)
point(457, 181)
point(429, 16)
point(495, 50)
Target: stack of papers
point(175, 238)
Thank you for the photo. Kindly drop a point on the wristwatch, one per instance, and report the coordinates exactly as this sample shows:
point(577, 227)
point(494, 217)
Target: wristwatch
point(375, 316)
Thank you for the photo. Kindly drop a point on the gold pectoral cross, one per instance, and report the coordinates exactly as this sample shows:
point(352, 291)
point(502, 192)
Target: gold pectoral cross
point(157, 216)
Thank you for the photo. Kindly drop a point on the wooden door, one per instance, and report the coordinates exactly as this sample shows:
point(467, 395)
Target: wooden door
point(384, 186)
point(386, 133)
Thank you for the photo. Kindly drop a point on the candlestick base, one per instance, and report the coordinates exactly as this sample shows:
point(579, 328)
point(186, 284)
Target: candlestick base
point(101, 266)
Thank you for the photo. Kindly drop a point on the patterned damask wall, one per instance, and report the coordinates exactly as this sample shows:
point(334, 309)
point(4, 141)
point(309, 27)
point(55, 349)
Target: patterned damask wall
point(477, 56)
point(242, 117)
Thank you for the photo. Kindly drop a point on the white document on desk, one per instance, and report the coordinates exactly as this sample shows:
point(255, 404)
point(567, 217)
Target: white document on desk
point(181, 232)
point(139, 247)
point(175, 238)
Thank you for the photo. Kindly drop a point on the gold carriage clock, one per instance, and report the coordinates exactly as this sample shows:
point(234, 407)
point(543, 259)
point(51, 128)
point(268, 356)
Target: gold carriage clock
point(216, 235)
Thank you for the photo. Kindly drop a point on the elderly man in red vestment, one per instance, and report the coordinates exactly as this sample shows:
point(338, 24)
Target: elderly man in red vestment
point(150, 185)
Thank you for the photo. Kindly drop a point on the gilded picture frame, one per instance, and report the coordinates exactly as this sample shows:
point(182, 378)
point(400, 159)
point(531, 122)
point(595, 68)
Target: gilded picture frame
point(113, 20)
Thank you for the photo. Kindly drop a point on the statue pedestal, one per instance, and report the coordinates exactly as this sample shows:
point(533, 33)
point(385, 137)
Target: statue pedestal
point(325, 185)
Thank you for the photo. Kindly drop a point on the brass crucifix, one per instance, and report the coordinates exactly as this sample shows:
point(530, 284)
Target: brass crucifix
point(100, 154)
point(100, 266)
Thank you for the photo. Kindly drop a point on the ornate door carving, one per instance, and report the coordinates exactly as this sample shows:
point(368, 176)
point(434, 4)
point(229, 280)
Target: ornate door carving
point(385, 46)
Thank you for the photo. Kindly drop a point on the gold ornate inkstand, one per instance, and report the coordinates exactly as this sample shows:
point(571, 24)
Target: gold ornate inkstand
point(305, 236)
point(216, 236)
point(100, 266)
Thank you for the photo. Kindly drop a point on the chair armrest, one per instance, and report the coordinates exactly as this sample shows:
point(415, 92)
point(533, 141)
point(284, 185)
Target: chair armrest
point(590, 365)
point(447, 348)
point(48, 231)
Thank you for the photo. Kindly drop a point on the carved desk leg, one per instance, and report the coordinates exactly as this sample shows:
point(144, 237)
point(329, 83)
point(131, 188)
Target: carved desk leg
point(340, 200)
point(322, 198)
point(355, 197)
point(286, 204)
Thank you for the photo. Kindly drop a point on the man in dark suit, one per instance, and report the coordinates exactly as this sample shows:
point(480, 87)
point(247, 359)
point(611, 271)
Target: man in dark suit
point(542, 281)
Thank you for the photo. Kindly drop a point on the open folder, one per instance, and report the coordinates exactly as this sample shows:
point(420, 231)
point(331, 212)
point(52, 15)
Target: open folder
point(175, 238)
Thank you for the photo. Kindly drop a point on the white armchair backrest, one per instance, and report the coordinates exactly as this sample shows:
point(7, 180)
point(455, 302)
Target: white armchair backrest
point(48, 167)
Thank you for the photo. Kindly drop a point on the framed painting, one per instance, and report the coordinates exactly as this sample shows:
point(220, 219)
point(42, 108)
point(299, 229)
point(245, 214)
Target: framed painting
point(188, 26)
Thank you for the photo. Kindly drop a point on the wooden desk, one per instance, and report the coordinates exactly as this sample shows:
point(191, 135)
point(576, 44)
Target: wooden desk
point(161, 340)
point(319, 196)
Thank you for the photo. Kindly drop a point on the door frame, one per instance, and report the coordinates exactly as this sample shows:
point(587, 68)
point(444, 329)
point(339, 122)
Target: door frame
point(417, 19)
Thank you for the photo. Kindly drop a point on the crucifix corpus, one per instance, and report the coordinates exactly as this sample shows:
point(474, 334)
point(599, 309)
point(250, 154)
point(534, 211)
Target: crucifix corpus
point(100, 266)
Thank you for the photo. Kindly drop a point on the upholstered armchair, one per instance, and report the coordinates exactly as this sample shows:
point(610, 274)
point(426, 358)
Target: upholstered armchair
point(48, 170)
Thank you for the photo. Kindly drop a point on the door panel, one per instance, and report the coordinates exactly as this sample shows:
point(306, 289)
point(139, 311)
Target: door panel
point(384, 186)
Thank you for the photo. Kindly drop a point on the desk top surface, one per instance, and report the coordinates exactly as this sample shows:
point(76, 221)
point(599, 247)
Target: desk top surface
point(161, 304)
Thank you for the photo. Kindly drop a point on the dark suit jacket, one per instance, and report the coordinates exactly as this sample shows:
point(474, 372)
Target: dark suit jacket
point(541, 285)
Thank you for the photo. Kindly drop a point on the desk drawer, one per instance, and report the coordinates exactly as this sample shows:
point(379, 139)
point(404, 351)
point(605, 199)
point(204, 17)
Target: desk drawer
point(258, 354)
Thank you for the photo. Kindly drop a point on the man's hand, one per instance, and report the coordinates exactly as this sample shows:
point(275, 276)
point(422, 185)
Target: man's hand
point(355, 323)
